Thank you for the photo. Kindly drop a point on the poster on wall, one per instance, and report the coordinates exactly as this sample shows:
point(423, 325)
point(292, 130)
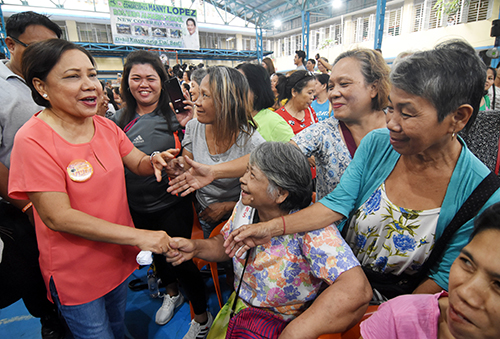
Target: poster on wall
point(151, 25)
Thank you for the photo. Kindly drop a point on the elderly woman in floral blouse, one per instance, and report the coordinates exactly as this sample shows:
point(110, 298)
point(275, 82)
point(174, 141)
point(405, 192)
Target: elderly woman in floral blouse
point(284, 275)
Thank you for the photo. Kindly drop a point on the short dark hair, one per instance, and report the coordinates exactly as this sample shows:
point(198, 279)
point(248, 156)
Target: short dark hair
point(192, 20)
point(40, 58)
point(260, 85)
point(301, 55)
point(286, 168)
point(448, 76)
point(297, 81)
point(323, 79)
point(141, 57)
point(312, 61)
point(488, 220)
point(16, 24)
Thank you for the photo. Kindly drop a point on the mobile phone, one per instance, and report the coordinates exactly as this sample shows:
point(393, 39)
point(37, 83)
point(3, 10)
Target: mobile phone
point(173, 88)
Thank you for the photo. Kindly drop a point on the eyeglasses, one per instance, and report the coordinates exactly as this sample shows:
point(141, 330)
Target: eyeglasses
point(19, 41)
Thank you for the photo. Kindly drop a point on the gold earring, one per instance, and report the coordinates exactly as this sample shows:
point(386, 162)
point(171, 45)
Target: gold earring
point(453, 135)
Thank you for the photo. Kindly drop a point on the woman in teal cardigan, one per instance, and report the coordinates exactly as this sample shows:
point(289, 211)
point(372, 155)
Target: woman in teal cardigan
point(406, 183)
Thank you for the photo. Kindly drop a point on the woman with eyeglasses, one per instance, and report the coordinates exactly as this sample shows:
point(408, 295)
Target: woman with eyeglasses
point(298, 89)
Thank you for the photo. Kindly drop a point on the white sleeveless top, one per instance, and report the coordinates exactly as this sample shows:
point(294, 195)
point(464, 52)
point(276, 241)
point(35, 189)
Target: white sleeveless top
point(390, 238)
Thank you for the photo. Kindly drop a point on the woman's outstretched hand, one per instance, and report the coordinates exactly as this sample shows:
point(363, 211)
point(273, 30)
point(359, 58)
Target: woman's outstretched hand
point(154, 241)
point(248, 236)
point(159, 161)
point(198, 176)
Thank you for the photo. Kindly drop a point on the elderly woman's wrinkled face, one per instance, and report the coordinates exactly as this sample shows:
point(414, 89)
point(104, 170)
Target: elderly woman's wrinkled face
point(474, 300)
point(414, 126)
point(254, 189)
point(490, 79)
point(351, 98)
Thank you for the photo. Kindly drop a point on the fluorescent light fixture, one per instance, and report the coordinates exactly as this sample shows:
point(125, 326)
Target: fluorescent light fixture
point(277, 23)
point(337, 3)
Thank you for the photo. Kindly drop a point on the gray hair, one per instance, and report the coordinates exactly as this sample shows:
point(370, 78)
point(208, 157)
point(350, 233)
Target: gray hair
point(448, 76)
point(198, 75)
point(286, 168)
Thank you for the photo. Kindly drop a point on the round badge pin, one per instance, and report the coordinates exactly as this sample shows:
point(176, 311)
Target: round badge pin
point(80, 170)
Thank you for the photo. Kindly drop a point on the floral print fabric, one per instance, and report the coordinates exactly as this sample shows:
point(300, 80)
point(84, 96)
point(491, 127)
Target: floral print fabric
point(390, 238)
point(286, 273)
point(323, 140)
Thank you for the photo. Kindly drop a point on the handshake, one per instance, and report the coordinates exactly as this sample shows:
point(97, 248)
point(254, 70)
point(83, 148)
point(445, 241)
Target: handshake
point(177, 250)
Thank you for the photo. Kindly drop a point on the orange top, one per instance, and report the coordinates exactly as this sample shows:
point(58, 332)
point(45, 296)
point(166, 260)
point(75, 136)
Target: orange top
point(92, 175)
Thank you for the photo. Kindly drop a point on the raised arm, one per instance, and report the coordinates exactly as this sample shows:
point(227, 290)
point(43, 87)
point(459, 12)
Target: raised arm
point(311, 218)
point(200, 175)
point(325, 64)
point(335, 310)
point(142, 164)
point(57, 214)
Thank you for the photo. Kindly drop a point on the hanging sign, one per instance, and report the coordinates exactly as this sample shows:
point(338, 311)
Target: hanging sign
point(152, 25)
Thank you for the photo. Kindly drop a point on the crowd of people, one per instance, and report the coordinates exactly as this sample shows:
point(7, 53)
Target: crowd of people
point(360, 183)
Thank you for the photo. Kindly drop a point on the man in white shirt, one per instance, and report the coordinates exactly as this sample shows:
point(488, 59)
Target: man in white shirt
point(298, 60)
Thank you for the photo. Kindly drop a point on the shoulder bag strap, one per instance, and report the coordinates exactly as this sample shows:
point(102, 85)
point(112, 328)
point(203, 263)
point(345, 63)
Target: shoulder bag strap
point(469, 210)
point(233, 308)
point(249, 252)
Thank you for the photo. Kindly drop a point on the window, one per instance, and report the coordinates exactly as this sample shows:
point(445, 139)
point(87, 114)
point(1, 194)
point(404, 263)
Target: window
point(478, 10)
point(418, 15)
point(88, 32)
point(337, 34)
point(364, 29)
point(428, 17)
point(392, 24)
point(218, 41)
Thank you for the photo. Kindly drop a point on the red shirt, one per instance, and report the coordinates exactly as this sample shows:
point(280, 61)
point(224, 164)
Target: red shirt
point(83, 270)
point(296, 124)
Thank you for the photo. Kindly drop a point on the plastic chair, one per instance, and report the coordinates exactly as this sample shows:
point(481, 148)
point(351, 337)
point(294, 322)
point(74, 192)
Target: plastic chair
point(197, 233)
point(353, 333)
